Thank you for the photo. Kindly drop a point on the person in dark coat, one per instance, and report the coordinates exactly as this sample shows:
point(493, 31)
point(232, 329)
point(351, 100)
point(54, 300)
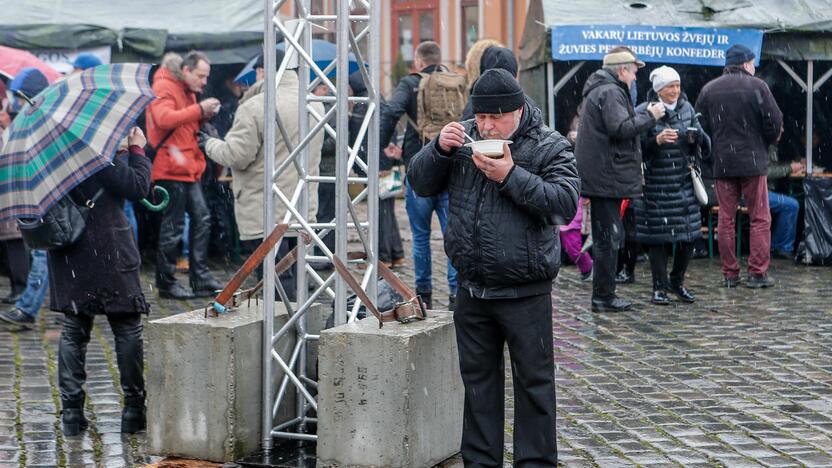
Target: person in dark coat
point(743, 119)
point(99, 275)
point(492, 57)
point(609, 162)
point(390, 248)
point(668, 213)
point(502, 237)
point(427, 59)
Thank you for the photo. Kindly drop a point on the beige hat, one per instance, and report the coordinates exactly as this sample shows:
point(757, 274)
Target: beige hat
point(621, 57)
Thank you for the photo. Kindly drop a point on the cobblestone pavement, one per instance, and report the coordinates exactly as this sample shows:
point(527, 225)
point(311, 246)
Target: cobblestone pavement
point(741, 378)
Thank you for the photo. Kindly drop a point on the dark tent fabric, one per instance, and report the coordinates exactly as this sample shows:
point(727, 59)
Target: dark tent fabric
point(228, 32)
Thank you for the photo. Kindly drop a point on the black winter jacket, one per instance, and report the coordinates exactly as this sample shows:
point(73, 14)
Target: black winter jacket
point(608, 150)
point(668, 211)
point(502, 238)
point(100, 274)
point(403, 102)
point(739, 112)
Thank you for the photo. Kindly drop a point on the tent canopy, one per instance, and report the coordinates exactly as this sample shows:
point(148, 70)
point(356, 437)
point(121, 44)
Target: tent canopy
point(228, 31)
point(794, 28)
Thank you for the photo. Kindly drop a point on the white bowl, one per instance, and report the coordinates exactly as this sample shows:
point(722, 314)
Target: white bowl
point(491, 148)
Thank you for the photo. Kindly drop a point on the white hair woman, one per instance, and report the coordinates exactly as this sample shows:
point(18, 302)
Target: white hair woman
point(668, 214)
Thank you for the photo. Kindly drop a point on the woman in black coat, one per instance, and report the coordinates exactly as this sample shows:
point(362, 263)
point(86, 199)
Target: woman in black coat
point(99, 275)
point(668, 214)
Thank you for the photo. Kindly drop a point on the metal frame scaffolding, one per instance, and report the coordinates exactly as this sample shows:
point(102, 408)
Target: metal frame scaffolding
point(357, 26)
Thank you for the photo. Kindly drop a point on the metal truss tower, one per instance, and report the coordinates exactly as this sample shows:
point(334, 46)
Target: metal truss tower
point(357, 27)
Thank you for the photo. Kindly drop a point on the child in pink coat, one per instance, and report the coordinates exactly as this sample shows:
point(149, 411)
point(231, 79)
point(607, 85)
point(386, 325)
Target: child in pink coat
point(570, 239)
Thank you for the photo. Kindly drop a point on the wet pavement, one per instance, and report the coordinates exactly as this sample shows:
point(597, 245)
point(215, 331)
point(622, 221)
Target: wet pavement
point(740, 378)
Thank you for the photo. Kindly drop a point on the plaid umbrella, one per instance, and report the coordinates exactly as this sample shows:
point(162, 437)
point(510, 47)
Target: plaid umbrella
point(70, 131)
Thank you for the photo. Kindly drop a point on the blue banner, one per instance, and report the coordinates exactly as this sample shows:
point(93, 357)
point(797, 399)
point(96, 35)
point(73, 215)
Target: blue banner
point(661, 44)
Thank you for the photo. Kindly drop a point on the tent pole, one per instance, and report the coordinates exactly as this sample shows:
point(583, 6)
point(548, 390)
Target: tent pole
point(810, 71)
point(823, 79)
point(550, 87)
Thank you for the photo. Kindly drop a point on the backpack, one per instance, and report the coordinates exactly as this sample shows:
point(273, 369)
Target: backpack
point(440, 99)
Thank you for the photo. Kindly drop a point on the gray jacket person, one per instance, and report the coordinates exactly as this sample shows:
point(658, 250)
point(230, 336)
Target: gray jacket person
point(501, 237)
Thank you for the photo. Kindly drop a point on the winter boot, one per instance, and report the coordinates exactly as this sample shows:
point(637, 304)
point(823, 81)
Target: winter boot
point(73, 420)
point(133, 417)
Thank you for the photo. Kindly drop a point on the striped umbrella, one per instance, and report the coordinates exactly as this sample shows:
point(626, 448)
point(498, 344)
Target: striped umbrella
point(70, 131)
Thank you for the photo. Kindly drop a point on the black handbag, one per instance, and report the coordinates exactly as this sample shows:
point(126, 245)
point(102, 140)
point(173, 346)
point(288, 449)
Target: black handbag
point(61, 226)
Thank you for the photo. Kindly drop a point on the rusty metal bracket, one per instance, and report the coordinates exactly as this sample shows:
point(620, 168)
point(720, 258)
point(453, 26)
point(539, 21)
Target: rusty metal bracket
point(218, 305)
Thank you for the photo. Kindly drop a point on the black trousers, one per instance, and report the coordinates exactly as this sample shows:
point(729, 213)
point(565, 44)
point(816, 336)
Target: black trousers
point(17, 258)
point(326, 213)
point(287, 278)
point(184, 197)
point(658, 264)
point(607, 238)
point(389, 240)
point(483, 326)
point(72, 355)
point(628, 254)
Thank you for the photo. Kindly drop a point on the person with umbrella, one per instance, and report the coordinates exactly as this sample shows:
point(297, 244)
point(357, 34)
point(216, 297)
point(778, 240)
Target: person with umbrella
point(27, 302)
point(63, 144)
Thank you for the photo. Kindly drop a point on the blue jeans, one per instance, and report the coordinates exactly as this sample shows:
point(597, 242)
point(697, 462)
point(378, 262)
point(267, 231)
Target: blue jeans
point(420, 213)
point(36, 285)
point(186, 232)
point(131, 217)
point(785, 209)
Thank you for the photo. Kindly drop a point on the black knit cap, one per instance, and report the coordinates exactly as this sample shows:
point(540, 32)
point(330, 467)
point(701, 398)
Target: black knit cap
point(495, 92)
point(498, 57)
point(738, 54)
point(279, 54)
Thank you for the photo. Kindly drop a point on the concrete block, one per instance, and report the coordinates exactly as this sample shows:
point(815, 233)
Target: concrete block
point(315, 322)
point(391, 396)
point(203, 383)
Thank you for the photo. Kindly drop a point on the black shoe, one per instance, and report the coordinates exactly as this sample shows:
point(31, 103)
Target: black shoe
point(11, 298)
point(73, 420)
point(731, 281)
point(206, 287)
point(782, 254)
point(660, 297)
point(586, 276)
point(175, 291)
point(623, 277)
point(451, 302)
point(756, 282)
point(133, 416)
point(699, 253)
point(683, 295)
point(615, 305)
point(17, 318)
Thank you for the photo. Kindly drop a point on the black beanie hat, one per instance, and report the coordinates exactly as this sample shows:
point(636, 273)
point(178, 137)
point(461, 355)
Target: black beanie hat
point(279, 54)
point(738, 54)
point(495, 92)
point(498, 57)
point(357, 84)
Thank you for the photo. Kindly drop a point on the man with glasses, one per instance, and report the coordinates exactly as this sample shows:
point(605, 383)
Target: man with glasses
point(608, 153)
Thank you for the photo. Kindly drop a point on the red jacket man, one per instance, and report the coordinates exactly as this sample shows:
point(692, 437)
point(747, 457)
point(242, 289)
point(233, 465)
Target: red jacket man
point(173, 121)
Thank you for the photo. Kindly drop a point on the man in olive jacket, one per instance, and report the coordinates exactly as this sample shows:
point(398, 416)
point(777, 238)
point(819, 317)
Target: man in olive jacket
point(743, 119)
point(608, 152)
point(502, 238)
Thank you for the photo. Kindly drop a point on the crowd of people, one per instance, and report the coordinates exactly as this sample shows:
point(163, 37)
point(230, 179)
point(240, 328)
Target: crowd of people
point(504, 218)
